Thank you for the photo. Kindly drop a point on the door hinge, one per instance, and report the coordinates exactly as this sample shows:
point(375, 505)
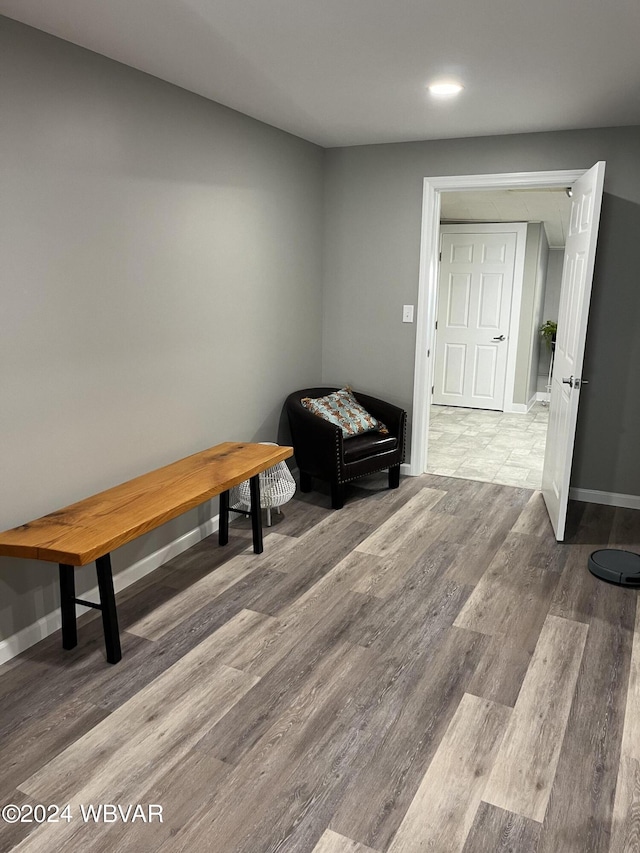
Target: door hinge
point(433, 388)
point(440, 256)
point(436, 325)
point(428, 353)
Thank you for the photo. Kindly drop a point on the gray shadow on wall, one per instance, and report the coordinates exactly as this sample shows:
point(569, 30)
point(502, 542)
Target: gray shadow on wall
point(607, 451)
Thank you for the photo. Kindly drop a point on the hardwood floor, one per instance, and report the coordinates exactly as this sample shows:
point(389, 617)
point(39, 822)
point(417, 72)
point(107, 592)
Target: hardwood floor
point(424, 670)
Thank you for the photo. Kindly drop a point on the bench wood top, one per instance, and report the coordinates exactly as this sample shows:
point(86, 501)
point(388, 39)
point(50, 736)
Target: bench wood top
point(88, 529)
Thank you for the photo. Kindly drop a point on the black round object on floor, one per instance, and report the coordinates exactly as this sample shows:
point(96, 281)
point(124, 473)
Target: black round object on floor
point(620, 567)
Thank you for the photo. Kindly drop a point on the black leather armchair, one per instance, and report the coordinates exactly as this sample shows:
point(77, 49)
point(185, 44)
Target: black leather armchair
point(321, 451)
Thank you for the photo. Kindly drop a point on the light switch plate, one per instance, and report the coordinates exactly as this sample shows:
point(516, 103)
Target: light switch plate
point(407, 313)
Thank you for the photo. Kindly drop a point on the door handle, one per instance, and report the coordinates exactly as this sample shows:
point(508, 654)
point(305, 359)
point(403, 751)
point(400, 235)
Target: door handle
point(499, 338)
point(567, 381)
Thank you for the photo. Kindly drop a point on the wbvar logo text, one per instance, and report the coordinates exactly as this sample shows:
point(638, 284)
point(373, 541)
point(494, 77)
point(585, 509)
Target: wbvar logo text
point(115, 813)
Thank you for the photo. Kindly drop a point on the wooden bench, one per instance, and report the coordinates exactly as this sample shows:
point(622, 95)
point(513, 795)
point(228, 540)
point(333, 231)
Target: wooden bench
point(90, 529)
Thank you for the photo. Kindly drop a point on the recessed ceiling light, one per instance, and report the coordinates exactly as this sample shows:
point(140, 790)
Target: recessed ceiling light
point(445, 89)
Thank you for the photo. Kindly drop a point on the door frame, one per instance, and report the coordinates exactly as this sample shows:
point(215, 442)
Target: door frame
point(520, 230)
point(429, 275)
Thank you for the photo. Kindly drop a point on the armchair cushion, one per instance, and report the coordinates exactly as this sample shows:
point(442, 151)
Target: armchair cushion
point(342, 409)
point(368, 444)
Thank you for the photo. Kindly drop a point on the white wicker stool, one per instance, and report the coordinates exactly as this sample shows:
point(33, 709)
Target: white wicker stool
point(277, 486)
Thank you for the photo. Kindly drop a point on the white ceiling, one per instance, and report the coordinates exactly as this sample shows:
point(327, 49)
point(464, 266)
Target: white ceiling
point(552, 207)
point(345, 72)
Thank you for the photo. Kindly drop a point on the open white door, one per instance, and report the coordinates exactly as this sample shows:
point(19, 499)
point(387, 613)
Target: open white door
point(566, 382)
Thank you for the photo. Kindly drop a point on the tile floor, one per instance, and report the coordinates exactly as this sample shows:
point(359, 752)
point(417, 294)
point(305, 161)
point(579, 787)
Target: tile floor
point(495, 447)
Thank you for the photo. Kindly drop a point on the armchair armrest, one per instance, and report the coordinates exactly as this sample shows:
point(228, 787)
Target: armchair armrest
point(317, 442)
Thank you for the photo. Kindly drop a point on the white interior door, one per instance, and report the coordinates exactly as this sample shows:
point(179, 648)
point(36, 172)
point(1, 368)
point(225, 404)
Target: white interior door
point(566, 380)
point(474, 311)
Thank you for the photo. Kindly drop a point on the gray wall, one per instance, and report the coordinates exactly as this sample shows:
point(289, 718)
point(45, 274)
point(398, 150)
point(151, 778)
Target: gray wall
point(553, 283)
point(536, 341)
point(161, 285)
point(372, 243)
point(551, 307)
point(535, 260)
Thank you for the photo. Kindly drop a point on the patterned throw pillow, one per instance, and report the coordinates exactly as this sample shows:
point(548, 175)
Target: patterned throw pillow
point(342, 409)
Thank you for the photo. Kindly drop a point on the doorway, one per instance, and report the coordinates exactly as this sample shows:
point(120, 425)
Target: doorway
point(586, 188)
point(489, 413)
point(429, 275)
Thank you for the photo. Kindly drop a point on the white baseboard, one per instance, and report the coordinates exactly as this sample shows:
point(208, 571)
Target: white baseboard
point(32, 634)
point(521, 408)
point(405, 470)
point(592, 496)
point(29, 636)
point(543, 396)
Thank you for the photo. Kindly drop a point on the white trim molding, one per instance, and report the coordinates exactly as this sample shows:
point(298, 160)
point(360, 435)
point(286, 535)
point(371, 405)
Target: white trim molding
point(521, 408)
point(593, 496)
point(433, 187)
point(46, 625)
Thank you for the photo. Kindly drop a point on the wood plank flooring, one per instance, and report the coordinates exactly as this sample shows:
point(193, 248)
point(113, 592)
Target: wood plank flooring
point(424, 670)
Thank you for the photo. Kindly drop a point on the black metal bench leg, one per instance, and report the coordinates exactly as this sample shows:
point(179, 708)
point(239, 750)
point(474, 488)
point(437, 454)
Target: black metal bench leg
point(108, 607)
point(68, 606)
point(223, 519)
point(256, 513)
